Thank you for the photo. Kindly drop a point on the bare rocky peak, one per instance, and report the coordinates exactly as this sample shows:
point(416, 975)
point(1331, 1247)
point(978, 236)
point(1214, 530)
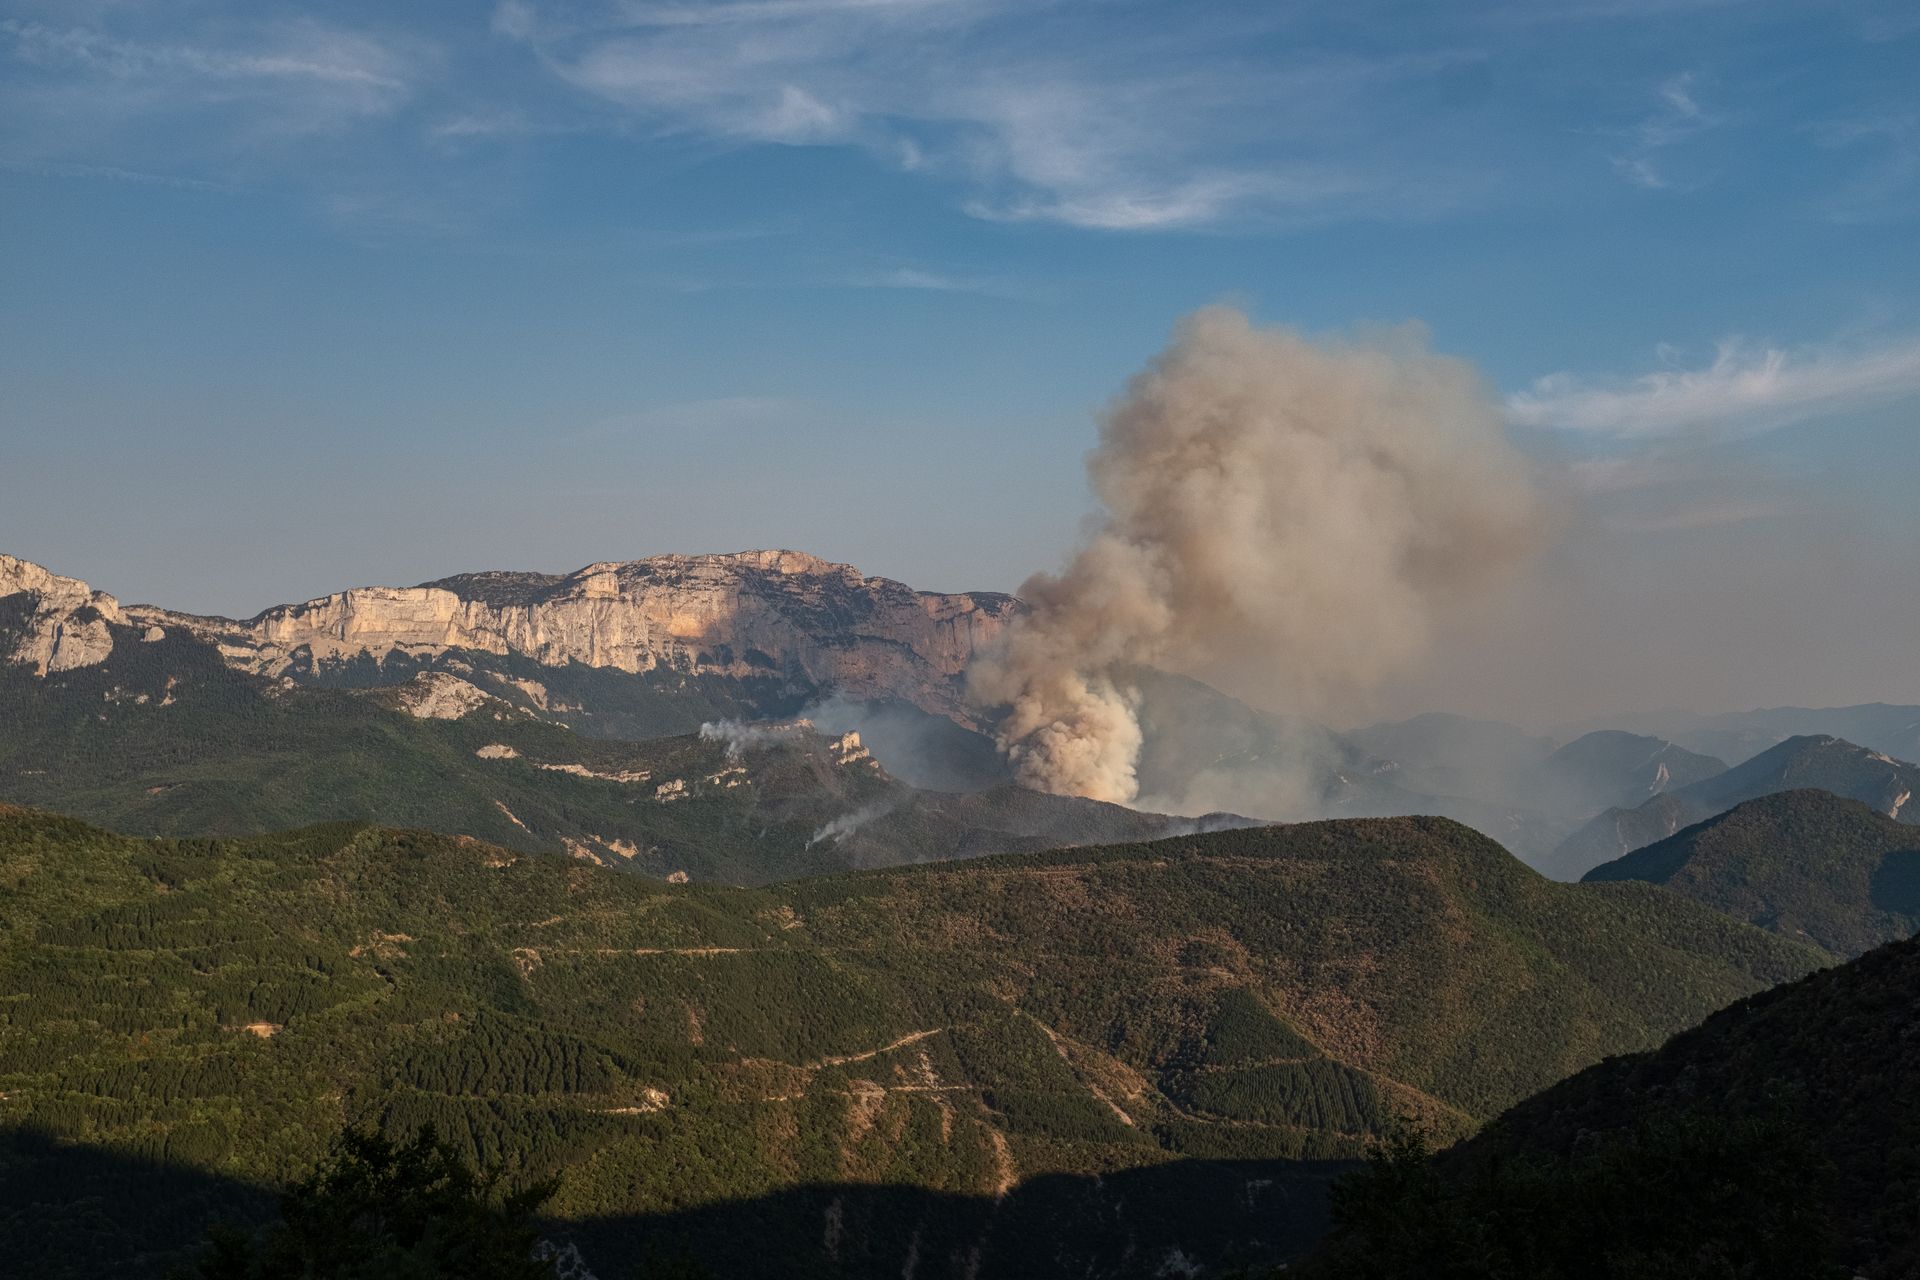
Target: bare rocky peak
point(794, 574)
point(66, 620)
point(774, 614)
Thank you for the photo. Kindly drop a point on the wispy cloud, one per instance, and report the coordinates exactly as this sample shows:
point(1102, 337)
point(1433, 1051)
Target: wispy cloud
point(1036, 117)
point(1674, 484)
point(742, 417)
point(111, 173)
point(1676, 118)
point(919, 278)
point(224, 100)
point(303, 72)
point(1886, 185)
point(1122, 117)
point(1744, 389)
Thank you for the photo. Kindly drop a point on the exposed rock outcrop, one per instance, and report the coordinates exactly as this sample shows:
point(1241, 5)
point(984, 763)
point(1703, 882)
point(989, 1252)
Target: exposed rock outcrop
point(779, 614)
point(67, 621)
point(435, 695)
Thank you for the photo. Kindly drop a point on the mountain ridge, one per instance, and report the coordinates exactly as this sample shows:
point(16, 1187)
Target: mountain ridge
point(1803, 863)
point(774, 616)
point(1820, 761)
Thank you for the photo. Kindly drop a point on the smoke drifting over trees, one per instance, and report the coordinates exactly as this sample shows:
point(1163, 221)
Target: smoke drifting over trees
point(1286, 515)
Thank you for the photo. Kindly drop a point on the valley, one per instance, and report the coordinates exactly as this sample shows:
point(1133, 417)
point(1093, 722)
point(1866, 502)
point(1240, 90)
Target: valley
point(959, 640)
point(543, 863)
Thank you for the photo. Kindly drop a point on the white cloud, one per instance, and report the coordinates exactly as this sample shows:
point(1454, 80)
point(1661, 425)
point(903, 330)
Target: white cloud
point(738, 11)
point(514, 19)
point(475, 124)
point(1087, 125)
point(1745, 389)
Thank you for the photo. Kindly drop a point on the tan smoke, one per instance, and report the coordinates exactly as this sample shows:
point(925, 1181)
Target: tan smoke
point(1284, 515)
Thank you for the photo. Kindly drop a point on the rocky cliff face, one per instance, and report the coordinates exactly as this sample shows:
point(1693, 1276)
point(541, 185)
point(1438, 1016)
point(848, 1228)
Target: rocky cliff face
point(63, 622)
point(780, 614)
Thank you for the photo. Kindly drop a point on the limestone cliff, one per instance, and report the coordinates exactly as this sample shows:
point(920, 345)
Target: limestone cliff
point(64, 623)
point(779, 614)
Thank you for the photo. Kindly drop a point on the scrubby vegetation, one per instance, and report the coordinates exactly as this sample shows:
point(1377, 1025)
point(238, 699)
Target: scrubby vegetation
point(1806, 864)
point(1777, 1139)
point(163, 738)
point(217, 1008)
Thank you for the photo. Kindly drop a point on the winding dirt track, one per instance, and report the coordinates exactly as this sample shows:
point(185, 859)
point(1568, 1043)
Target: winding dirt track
point(911, 1038)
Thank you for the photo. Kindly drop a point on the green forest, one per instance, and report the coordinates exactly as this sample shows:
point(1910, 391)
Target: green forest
point(994, 1041)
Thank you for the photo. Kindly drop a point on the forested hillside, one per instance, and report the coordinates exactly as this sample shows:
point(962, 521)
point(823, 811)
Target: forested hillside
point(963, 1044)
point(1806, 864)
point(1778, 1141)
point(163, 738)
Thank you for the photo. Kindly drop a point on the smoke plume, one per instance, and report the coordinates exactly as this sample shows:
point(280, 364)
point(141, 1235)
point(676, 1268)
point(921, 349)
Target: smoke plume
point(741, 737)
point(848, 823)
point(1284, 515)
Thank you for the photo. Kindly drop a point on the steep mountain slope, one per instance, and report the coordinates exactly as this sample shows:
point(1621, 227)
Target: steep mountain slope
point(53, 623)
point(106, 703)
point(1832, 1057)
point(162, 736)
point(622, 649)
point(1267, 997)
point(1829, 764)
point(1609, 769)
point(1805, 864)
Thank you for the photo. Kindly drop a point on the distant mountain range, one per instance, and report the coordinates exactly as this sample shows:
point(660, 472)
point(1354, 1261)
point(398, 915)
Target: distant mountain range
point(631, 649)
point(1891, 729)
point(868, 1008)
point(163, 738)
point(372, 704)
point(1614, 768)
point(361, 705)
point(1877, 780)
point(979, 1068)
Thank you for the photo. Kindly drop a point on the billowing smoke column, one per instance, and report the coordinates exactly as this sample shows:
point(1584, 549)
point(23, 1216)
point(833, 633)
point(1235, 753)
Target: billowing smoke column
point(1283, 514)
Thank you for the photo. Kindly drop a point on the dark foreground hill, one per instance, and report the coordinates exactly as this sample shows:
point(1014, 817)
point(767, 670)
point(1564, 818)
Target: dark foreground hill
point(1801, 1099)
point(1806, 864)
point(1818, 761)
point(1087, 1062)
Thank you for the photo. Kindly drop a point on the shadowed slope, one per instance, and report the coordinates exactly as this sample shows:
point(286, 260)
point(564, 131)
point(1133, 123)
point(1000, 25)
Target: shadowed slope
point(1831, 1057)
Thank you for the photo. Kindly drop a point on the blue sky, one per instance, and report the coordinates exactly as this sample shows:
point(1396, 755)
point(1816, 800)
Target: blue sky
point(299, 296)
